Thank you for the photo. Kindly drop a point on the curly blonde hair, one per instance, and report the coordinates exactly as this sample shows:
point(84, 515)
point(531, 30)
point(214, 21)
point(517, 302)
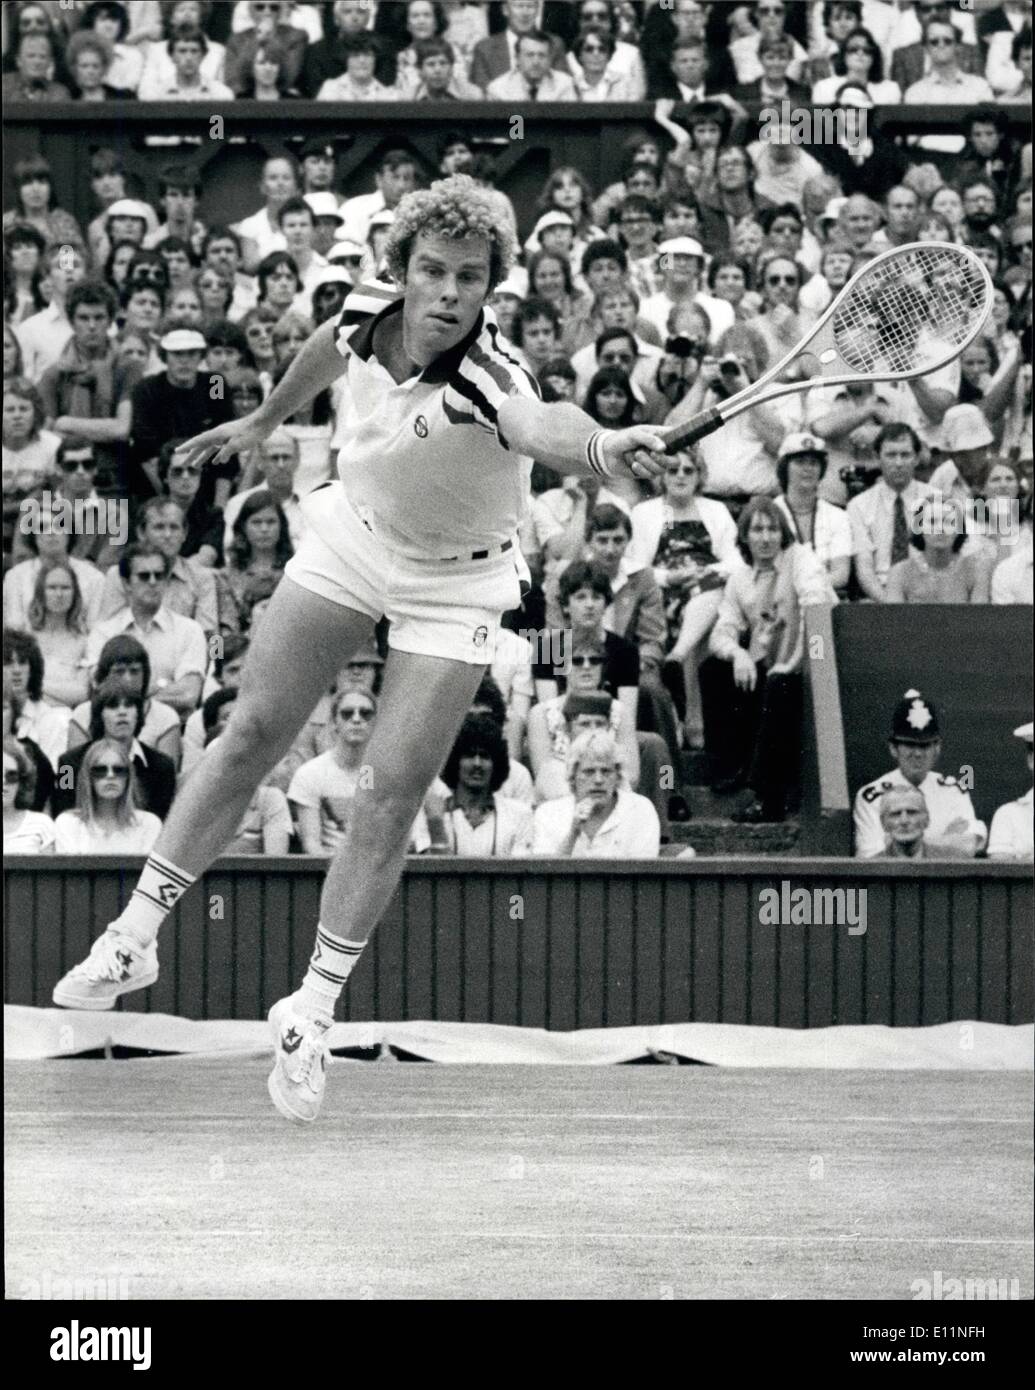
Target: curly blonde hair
point(453, 207)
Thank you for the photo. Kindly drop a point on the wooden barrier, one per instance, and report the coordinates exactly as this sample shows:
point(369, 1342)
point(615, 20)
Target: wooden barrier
point(564, 945)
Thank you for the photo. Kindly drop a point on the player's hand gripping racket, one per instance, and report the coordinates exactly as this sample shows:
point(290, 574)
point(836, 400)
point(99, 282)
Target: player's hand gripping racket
point(907, 313)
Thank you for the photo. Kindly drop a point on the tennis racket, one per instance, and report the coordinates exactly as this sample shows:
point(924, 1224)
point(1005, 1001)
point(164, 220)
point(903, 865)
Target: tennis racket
point(907, 313)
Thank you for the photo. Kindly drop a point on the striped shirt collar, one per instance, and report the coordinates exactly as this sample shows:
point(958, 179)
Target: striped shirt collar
point(361, 343)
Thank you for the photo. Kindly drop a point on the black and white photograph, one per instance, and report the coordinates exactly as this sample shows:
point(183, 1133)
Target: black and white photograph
point(505, 796)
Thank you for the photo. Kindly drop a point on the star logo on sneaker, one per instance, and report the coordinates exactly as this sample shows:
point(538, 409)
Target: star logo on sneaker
point(291, 1040)
point(126, 961)
point(167, 893)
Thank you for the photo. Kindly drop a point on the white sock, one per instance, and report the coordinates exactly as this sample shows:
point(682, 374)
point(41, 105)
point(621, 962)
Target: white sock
point(329, 967)
point(159, 888)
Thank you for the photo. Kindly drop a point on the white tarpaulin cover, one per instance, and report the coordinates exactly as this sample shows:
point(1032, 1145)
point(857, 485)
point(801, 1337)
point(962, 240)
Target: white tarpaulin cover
point(958, 1046)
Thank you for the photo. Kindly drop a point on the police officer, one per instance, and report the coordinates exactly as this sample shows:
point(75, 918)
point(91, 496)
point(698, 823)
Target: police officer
point(916, 746)
point(1011, 834)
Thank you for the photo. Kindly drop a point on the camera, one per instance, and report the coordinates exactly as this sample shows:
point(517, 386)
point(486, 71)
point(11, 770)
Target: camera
point(681, 347)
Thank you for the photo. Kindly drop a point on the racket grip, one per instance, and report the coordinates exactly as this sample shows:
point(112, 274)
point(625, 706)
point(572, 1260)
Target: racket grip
point(703, 423)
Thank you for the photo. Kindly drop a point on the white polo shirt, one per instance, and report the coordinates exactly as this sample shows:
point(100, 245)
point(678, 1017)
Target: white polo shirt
point(1011, 833)
point(422, 461)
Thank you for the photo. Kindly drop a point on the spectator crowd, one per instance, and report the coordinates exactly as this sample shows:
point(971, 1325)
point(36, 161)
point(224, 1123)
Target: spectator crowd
point(661, 621)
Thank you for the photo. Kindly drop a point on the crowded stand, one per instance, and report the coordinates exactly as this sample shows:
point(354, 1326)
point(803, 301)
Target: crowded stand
point(662, 633)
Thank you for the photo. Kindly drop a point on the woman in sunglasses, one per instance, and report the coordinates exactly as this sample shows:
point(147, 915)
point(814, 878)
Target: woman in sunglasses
point(118, 713)
point(106, 819)
point(25, 831)
point(859, 61)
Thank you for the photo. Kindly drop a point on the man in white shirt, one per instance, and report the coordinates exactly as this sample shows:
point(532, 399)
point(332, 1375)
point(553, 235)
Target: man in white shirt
point(278, 458)
point(396, 176)
point(967, 440)
point(187, 49)
point(600, 820)
point(260, 233)
point(916, 746)
point(497, 54)
point(176, 646)
point(532, 79)
point(880, 516)
point(1011, 834)
point(298, 224)
point(945, 83)
point(45, 724)
point(45, 335)
point(680, 263)
point(190, 587)
point(620, 347)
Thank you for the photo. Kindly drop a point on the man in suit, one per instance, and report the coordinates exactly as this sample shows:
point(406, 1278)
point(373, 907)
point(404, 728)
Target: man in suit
point(909, 64)
point(497, 55)
point(532, 78)
point(775, 55)
point(269, 21)
point(687, 77)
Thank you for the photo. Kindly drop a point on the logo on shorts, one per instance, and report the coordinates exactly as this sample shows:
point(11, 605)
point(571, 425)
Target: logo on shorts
point(481, 636)
point(420, 427)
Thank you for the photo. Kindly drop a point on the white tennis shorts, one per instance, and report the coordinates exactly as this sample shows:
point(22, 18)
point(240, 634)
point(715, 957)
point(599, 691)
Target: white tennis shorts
point(446, 608)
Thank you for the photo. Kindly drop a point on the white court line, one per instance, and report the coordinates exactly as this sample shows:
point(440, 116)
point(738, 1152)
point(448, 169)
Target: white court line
point(683, 1118)
point(179, 1232)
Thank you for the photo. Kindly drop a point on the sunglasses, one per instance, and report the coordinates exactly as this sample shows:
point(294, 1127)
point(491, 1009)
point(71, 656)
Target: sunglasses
point(943, 42)
point(77, 465)
point(587, 660)
point(149, 275)
point(12, 779)
point(150, 576)
point(102, 770)
point(183, 470)
point(350, 712)
point(781, 279)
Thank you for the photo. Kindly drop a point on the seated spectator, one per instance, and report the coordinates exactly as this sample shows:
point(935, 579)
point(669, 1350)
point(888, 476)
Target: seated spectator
point(825, 529)
point(682, 261)
point(497, 55)
point(274, 468)
point(42, 784)
point(639, 225)
point(947, 83)
point(837, 264)
point(179, 403)
point(592, 54)
point(87, 393)
point(35, 56)
point(23, 291)
point(537, 332)
point(689, 542)
point(118, 714)
point(989, 380)
point(125, 660)
point(1010, 836)
point(203, 525)
point(187, 50)
point(58, 623)
point(554, 722)
point(48, 544)
point(322, 791)
point(437, 75)
point(1013, 79)
point(624, 65)
point(858, 61)
point(110, 22)
point(255, 560)
point(879, 516)
point(12, 355)
point(904, 819)
point(1012, 578)
point(358, 82)
point(106, 820)
point(549, 278)
point(773, 85)
point(475, 820)
point(190, 587)
point(998, 522)
point(89, 60)
point(34, 207)
point(25, 831)
point(936, 571)
point(611, 401)
point(184, 308)
point(916, 747)
point(781, 321)
point(29, 450)
point(221, 259)
point(751, 686)
point(733, 200)
point(44, 723)
point(227, 666)
point(280, 284)
point(600, 818)
point(176, 645)
point(269, 25)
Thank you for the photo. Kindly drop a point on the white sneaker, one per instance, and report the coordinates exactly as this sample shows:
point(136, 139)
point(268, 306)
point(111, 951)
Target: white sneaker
point(300, 1062)
point(116, 965)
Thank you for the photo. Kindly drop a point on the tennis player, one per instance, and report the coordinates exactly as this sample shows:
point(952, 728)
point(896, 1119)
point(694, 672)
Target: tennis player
point(442, 425)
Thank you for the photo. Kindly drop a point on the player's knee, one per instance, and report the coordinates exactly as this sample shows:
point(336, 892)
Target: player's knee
point(252, 735)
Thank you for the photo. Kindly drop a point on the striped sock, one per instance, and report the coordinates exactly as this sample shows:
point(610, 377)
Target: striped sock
point(329, 967)
point(159, 888)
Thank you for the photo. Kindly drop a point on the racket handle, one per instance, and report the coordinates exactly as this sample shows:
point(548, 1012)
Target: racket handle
point(703, 423)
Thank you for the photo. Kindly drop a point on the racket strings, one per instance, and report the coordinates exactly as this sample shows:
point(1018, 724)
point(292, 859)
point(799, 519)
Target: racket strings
point(910, 313)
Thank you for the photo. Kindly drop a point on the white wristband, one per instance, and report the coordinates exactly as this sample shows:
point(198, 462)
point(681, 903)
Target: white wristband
point(595, 456)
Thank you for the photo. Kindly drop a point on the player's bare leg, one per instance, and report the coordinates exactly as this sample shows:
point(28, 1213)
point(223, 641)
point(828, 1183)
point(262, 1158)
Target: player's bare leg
point(301, 644)
point(422, 705)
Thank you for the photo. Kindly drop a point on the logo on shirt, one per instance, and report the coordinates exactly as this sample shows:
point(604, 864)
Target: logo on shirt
point(420, 427)
point(481, 636)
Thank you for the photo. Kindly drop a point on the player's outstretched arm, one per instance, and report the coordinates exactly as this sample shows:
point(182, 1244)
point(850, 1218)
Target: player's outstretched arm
point(316, 367)
point(566, 438)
